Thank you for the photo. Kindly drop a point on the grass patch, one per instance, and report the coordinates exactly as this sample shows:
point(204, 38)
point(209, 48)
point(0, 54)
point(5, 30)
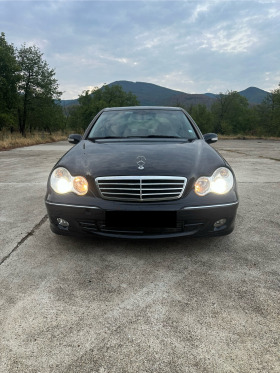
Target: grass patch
point(247, 137)
point(16, 140)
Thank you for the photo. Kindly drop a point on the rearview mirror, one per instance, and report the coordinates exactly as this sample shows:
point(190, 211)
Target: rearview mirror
point(210, 138)
point(74, 138)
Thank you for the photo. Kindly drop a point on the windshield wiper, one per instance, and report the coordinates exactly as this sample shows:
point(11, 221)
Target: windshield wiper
point(164, 137)
point(171, 137)
point(105, 138)
point(153, 137)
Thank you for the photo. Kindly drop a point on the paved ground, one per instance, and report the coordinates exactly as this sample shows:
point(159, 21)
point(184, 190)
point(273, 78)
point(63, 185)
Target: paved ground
point(105, 306)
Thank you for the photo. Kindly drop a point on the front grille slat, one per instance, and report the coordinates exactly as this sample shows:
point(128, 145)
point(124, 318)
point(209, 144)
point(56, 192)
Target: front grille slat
point(141, 188)
point(160, 194)
point(178, 189)
point(120, 194)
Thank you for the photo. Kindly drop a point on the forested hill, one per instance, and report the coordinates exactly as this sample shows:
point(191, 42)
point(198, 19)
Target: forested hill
point(254, 95)
point(151, 94)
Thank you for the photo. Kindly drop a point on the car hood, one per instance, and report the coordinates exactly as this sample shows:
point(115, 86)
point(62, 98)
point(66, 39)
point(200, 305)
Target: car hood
point(165, 158)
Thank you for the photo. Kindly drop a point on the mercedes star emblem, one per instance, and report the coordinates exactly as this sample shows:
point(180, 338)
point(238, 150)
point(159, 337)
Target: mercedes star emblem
point(141, 160)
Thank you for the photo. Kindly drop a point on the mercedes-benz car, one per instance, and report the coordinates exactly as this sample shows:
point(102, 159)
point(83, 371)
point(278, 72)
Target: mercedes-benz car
point(142, 172)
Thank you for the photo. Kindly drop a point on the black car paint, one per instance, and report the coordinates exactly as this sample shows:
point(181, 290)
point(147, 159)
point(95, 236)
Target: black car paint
point(118, 157)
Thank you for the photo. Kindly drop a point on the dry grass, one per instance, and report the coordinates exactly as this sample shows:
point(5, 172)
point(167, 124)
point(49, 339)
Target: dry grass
point(246, 137)
point(15, 140)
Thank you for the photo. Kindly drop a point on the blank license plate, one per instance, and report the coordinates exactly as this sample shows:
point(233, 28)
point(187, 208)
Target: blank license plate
point(141, 219)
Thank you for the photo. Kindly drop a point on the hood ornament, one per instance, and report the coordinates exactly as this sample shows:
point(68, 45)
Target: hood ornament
point(141, 160)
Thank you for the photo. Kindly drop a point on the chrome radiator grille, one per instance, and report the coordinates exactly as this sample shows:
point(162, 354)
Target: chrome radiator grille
point(141, 188)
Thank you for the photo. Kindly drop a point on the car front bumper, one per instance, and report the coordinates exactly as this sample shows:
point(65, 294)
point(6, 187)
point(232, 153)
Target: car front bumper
point(142, 221)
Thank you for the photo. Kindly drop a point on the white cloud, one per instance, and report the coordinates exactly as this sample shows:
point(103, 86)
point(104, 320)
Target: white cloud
point(177, 80)
point(272, 80)
point(200, 8)
point(237, 40)
point(156, 38)
point(274, 12)
point(121, 60)
point(42, 44)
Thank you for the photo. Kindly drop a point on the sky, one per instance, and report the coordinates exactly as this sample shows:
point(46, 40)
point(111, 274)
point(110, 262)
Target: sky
point(191, 46)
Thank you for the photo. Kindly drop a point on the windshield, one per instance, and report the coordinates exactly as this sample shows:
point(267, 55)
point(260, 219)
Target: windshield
point(142, 123)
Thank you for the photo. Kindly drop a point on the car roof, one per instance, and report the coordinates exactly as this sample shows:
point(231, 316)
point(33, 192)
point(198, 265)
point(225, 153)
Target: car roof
point(143, 108)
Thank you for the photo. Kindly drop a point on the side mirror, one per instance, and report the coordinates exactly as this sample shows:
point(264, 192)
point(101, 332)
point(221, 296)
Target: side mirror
point(210, 138)
point(74, 138)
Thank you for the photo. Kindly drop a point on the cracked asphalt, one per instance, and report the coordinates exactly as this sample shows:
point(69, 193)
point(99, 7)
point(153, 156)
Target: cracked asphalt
point(108, 306)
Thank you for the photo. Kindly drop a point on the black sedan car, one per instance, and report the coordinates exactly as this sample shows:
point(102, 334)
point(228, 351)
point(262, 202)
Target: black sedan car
point(142, 172)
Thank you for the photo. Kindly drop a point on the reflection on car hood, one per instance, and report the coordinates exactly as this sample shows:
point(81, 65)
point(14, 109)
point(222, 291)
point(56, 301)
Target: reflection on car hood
point(174, 158)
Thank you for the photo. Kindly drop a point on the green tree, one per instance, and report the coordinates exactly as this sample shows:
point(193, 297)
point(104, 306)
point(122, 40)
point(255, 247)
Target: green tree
point(203, 117)
point(37, 86)
point(231, 113)
point(274, 125)
point(268, 114)
point(90, 103)
point(9, 77)
point(46, 115)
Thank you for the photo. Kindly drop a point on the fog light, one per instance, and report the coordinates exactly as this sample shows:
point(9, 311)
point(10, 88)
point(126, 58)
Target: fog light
point(63, 223)
point(219, 223)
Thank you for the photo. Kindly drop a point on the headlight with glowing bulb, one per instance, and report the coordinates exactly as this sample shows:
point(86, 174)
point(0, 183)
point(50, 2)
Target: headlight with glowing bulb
point(63, 182)
point(220, 182)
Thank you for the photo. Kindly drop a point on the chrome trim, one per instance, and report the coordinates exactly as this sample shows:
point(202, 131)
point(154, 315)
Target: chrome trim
point(141, 188)
point(211, 206)
point(141, 160)
point(66, 205)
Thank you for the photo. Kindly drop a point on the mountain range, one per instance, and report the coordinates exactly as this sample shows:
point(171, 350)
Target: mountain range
point(149, 94)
